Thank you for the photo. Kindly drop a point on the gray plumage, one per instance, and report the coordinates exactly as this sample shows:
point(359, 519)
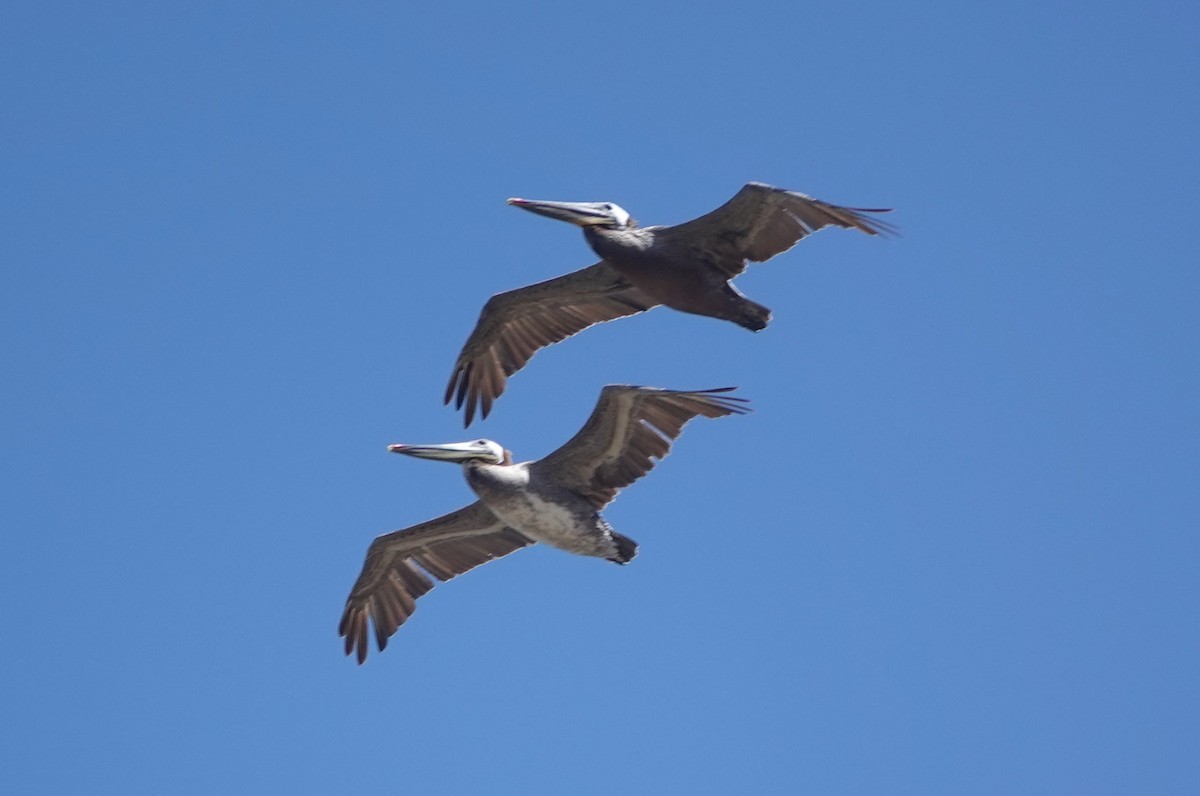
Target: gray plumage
point(555, 500)
point(687, 267)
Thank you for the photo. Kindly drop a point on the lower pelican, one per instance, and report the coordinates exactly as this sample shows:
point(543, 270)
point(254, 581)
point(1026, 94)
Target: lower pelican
point(555, 500)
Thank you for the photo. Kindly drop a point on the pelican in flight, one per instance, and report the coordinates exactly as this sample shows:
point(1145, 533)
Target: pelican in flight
point(688, 267)
point(555, 500)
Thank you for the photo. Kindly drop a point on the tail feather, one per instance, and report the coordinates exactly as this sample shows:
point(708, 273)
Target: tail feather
point(626, 549)
point(754, 316)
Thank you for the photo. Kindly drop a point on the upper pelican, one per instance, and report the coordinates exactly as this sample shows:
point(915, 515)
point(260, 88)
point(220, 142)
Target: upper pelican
point(556, 500)
point(687, 267)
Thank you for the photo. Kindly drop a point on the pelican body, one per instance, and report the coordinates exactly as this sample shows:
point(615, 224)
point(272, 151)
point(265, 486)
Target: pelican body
point(525, 499)
point(688, 267)
point(555, 500)
point(658, 261)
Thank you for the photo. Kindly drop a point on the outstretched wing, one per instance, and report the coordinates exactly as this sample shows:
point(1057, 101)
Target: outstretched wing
point(761, 221)
point(514, 325)
point(630, 429)
point(399, 565)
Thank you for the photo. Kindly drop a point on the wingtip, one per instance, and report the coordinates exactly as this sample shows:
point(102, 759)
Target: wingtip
point(733, 404)
point(353, 645)
point(875, 226)
point(472, 398)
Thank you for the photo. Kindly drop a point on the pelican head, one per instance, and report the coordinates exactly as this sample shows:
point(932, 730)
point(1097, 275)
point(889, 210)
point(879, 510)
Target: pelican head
point(584, 214)
point(481, 450)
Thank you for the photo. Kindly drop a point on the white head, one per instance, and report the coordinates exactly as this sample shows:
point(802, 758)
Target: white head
point(584, 214)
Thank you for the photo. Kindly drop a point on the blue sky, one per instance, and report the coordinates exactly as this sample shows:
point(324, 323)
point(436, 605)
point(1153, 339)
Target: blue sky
point(953, 550)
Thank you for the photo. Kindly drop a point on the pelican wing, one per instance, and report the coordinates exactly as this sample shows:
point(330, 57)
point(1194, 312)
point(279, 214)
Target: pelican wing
point(630, 429)
point(514, 325)
point(399, 565)
point(761, 221)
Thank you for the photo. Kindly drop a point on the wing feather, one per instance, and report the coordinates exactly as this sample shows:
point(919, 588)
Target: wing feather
point(629, 431)
point(515, 325)
point(761, 221)
point(399, 564)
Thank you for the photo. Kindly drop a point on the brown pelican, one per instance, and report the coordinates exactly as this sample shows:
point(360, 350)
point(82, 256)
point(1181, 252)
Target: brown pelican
point(687, 267)
point(555, 500)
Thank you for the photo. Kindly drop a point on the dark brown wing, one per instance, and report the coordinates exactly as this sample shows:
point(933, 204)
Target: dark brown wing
point(514, 325)
point(761, 221)
point(630, 429)
point(399, 565)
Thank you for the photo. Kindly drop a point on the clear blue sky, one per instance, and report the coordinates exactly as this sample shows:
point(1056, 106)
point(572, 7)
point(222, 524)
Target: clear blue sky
point(954, 550)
